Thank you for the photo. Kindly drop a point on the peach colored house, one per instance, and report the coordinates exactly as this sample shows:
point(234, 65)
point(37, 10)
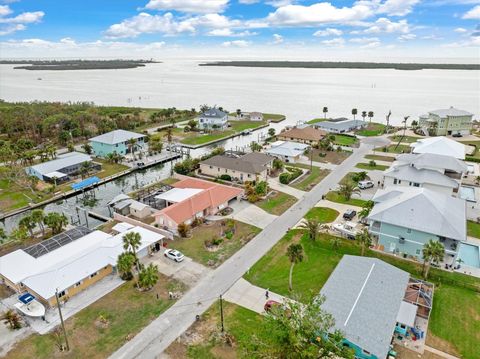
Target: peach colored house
point(193, 198)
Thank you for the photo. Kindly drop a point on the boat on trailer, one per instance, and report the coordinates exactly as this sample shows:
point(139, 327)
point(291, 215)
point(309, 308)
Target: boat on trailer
point(28, 305)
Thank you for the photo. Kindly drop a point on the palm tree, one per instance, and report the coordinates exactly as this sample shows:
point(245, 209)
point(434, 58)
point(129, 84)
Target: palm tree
point(348, 189)
point(148, 277)
point(131, 242)
point(19, 234)
point(370, 115)
point(132, 144)
point(110, 157)
point(55, 221)
point(433, 252)
point(364, 114)
point(366, 209)
point(87, 148)
point(85, 168)
point(364, 239)
point(168, 134)
point(38, 216)
point(354, 112)
point(295, 255)
point(28, 224)
point(312, 226)
point(125, 263)
point(325, 111)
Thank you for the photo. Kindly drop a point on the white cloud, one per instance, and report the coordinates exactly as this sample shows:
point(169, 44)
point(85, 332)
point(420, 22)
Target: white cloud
point(5, 10)
point(189, 6)
point(236, 43)
point(363, 40)
point(319, 13)
point(277, 39)
point(397, 7)
point(406, 37)
point(473, 13)
point(248, 2)
point(280, 3)
point(384, 25)
point(230, 32)
point(473, 42)
point(10, 29)
point(460, 30)
point(328, 32)
point(337, 42)
point(9, 25)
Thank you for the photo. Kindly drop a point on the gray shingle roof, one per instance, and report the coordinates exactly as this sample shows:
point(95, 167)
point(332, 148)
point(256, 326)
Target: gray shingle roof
point(364, 296)
point(452, 111)
point(408, 173)
point(432, 160)
point(421, 209)
point(116, 136)
point(214, 113)
point(62, 161)
point(250, 163)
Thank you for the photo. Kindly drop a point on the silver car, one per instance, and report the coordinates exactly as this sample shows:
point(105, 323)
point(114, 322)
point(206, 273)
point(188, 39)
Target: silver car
point(174, 255)
point(365, 184)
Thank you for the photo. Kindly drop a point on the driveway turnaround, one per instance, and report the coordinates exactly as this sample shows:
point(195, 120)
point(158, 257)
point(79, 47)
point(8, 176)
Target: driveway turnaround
point(159, 334)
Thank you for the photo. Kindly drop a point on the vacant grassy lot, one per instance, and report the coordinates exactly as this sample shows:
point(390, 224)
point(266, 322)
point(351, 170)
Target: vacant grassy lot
point(126, 311)
point(334, 196)
point(108, 169)
point(335, 157)
point(306, 183)
point(476, 144)
point(369, 167)
point(380, 158)
point(195, 248)
point(273, 117)
point(473, 229)
point(455, 310)
point(344, 140)
point(322, 214)
point(406, 139)
point(394, 149)
point(277, 204)
point(317, 120)
point(373, 129)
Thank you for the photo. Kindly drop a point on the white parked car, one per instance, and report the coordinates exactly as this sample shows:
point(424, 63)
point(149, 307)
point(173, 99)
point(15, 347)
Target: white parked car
point(174, 255)
point(365, 184)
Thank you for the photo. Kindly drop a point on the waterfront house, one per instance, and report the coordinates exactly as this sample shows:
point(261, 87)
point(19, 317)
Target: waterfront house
point(446, 122)
point(372, 302)
point(193, 198)
point(404, 219)
point(117, 141)
point(213, 118)
point(340, 125)
point(70, 262)
point(439, 146)
point(248, 167)
point(250, 116)
point(287, 151)
point(61, 168)
point(127, 206)
point(308, 135)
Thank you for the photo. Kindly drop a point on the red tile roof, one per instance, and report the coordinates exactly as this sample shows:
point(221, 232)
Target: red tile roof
point(213, 195)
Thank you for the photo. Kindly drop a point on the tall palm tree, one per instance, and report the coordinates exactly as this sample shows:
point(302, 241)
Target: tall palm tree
point(312, 226)
point(85, 168)
point(364, 239)
point(325, 110)
point(347, 189)
point(433, 252)
point(132, 144)
point(169, 134)
point(38, 216)
point(148, 277)
point(131, 242)
point(125, 263)
point(354, 112)
point(364, 114)
point(295, 255)
point(370, 115)
point(366, 209)
point(55, 221)
point(28, 224)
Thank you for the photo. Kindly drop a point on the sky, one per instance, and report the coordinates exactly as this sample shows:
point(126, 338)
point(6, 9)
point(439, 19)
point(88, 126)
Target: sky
point(273, 29)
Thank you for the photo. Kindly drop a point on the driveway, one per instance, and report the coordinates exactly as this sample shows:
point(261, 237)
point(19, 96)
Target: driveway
point(273, 183)
point(254, 215)
point(187, 271)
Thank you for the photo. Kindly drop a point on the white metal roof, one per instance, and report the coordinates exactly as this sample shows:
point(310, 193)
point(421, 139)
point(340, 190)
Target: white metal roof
point(433, 160)
point(407, 314)
point(138, 206)
point(122, 227)
point(421, 209)
point(441, 146)
point(287, 148)
point(55, 174)
point(116, 136)
point(452, 111)
point(176, 195)
point(62, 161)
point(71, 263)
point(408, 173)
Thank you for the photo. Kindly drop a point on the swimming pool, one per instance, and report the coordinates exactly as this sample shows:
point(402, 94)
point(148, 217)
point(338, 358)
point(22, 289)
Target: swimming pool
point(469, 254)
point(467, 193)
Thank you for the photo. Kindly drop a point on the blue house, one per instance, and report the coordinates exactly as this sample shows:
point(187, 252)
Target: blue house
point(369, 300)
point(117, 142)
point(404, 219)
point(213, 119)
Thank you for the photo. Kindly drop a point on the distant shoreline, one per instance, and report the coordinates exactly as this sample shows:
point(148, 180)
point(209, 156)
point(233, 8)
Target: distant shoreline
point(343, 65)
point(76, 64)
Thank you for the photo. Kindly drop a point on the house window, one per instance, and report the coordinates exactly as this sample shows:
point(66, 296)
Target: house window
point(416, 185)
point(77, 284)
point(365, 352)
point(93, 274)
point(417, 252)
point(248, 175)
point(61, 294)
point(395, 181)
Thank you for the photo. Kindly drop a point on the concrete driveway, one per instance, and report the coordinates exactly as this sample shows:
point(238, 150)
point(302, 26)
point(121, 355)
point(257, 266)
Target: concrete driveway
point(187, 271)
point(253, 215)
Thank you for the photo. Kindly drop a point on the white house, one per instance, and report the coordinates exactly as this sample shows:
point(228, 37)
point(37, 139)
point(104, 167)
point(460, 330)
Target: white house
point(287, 151)
point(447, 121)
point(213, 119)
point(440, 146)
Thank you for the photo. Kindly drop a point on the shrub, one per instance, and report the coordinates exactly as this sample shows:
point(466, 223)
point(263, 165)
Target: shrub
point(252, 198)
point(261, 188)
point(226, 177)
point(372, 163)
point(229, 235)
point(285, 178)
point(183, 230)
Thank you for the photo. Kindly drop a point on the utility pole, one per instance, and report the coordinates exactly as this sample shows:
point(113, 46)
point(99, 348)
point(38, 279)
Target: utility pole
point(221, 312)
point(61, 320)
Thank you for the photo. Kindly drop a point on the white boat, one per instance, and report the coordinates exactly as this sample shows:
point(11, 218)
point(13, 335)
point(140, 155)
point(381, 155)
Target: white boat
point(28, 305)
point(346, 229)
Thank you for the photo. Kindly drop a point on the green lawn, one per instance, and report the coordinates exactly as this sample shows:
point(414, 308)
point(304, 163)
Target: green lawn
point(126, 310)
point(109, 169)
point(368, 167)
point(333, 196)
point(273, 117)
point(380, 158)
point(277, 204)
point(344, 140)
point(406, 139)
point(317, 120)
point(473, 229)
point(322, 214)
point(476, 144)
point(240, 126)
point(195, 248)
point(394, 149)
point(306, 183)
point(373, 129)
point(455, 309)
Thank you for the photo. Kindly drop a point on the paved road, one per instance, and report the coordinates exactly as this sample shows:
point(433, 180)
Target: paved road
point(159, 334)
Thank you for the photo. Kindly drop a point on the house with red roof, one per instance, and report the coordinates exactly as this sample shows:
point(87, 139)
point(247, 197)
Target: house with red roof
point(192, 198)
